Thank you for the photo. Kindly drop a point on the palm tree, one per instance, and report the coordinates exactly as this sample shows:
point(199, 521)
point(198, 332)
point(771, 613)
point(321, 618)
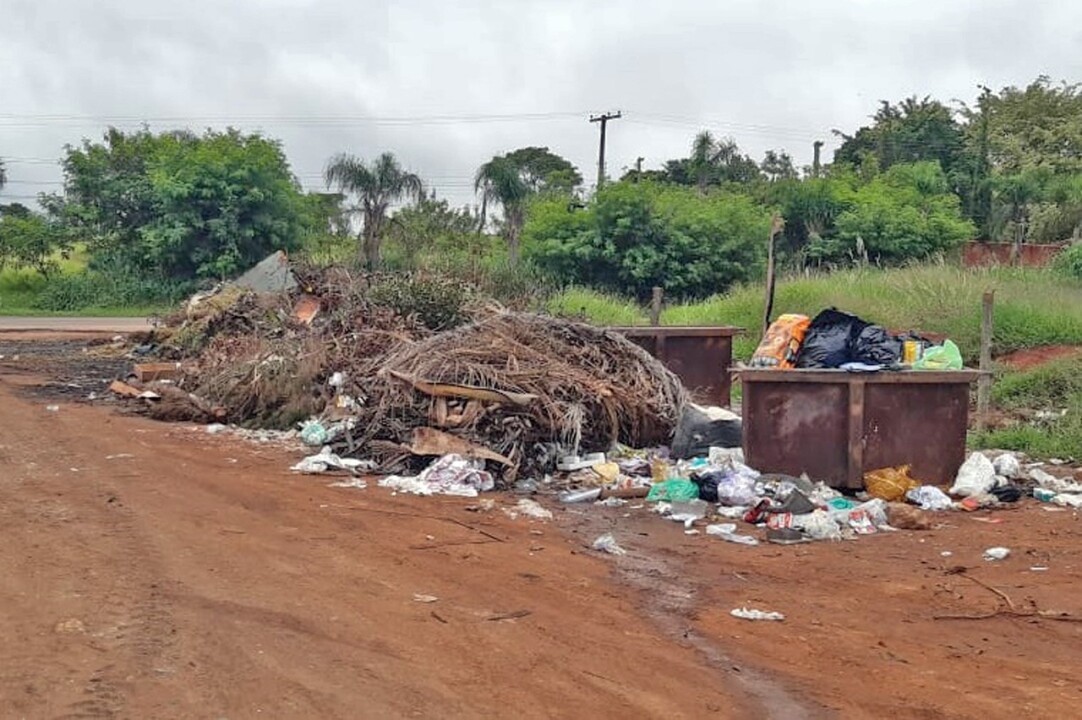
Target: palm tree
point(3, 175)
point(376, 186)
point(500, 180)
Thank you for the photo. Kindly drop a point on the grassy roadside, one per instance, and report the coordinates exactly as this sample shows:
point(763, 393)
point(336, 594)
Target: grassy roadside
point(1033, 307)
point(19, 289)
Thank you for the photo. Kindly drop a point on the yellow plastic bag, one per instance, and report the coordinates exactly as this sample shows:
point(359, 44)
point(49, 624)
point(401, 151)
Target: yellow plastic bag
point(890, 484)
point(780, 345)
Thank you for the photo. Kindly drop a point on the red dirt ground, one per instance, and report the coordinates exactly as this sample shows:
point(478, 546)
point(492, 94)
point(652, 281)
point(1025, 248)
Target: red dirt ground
point(152, 570)
point(1033, 357)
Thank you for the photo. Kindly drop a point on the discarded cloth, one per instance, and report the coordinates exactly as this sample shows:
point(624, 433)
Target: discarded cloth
point(325, 460)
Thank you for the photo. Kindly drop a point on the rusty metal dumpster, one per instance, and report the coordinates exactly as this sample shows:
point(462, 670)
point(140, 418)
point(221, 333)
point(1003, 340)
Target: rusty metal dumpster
point(835, 425)
point(700, 356)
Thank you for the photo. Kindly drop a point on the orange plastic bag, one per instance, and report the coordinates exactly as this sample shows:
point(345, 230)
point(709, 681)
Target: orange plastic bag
point(890, 484)
point(781, 343)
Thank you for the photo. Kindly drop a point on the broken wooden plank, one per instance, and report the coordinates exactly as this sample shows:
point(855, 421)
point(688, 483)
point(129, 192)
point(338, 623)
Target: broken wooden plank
point(430, 441)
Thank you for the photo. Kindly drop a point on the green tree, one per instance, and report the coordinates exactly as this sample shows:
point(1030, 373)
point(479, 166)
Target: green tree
point(510, 180)
point(500, 181)
point(28, 240)
point(178, 205)
point(908, 213)
point(712, 162)
point(633, 236)
point(778, 166)
point(913, 130)
point(376, 185)
point(431, 225)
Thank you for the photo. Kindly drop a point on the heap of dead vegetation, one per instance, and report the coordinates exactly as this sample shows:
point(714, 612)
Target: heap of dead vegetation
point(524, 387)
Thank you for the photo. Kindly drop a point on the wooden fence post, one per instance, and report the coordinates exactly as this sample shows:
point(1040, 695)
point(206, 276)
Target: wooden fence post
point(984, 383)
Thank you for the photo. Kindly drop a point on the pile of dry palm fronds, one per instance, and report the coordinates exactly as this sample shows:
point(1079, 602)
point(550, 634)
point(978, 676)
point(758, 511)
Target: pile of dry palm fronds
point(525, 386)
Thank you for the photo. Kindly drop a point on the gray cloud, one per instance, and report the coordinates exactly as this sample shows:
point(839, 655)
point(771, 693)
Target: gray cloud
point(769, 73)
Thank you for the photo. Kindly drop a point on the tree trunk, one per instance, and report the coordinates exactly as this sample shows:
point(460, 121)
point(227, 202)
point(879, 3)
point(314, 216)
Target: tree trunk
point(484, 213)
point(514, 251)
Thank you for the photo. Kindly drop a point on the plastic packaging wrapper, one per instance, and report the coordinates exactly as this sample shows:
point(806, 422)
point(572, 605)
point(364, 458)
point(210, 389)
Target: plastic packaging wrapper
point(675, 490)
point(929, 497)
point(727, 532)
point(819, 525)
point(940, 357)
point(890, 484)
point(752, 614)
point(976, 477)
point(781, 344)
point(325, 461)
point(607, 543)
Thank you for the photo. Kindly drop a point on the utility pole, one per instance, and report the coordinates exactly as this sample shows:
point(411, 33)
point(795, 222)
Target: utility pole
point(817, 145)
point(638, 168)
point(604, 120)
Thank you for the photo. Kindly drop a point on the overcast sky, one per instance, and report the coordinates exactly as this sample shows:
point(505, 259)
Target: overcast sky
point(447, 84)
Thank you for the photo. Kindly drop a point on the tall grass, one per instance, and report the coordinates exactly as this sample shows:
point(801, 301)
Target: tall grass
point(1033, 307)
point(597, 307)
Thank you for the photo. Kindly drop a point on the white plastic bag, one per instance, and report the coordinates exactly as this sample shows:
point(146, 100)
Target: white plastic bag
point(929, 497)
point(976, 477)
point(1008, 466)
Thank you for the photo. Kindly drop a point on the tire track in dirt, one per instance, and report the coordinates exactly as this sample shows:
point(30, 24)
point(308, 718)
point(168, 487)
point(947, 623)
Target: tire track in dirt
point(74, 520)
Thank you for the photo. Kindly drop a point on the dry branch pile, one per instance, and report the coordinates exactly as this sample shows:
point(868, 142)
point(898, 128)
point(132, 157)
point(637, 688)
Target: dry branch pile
point(524, 386)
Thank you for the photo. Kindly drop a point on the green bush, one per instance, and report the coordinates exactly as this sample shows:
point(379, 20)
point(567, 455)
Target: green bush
point(634, 236)
point(92, 289)
point(436, 301)
point(1069, 262)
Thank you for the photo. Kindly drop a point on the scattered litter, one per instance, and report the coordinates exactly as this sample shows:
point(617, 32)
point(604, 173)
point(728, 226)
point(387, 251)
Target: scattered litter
point(607, 543)
point(216, 428)
point(727, 532)
point(996, 553)
point(751, 614)
point(1008, 466)
point(612, 502)
point(356, 483)
point(577, 496)
point(929, 497)
point(975, 477)
point(119, 456)
point(529, 508)
point(946, 553)
point(786, 536)
point(819, 525)
point(325, 460)
point(1038, 568)
point(52, 408)
point(421, 598)
point(691, 531)
point(673, 490)
point(450, 475)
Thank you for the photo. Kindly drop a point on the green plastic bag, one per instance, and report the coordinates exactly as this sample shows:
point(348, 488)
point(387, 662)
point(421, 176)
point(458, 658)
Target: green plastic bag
point(675, 490)
point(940, 357)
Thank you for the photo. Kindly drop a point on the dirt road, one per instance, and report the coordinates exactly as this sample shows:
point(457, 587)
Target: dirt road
point(9, 323)
point(156, 571)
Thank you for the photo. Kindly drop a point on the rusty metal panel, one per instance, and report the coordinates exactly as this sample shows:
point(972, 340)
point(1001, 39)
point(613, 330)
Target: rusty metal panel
point(923, 426)
point(797, 428)
point(836, 426)
point(699, 356)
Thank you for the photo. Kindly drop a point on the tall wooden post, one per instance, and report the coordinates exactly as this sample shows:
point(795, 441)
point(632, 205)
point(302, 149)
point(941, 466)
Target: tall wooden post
point(984, 383)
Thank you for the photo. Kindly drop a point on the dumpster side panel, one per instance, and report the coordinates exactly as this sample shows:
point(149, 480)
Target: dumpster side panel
point(795, 428)
point(923, 426)
point(702, 364)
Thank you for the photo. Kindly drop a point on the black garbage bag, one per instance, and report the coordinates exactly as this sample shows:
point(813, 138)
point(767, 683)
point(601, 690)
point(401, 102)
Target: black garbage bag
point(701, 428)
point(830, 339)
point(875, 346)
point(708, 484)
